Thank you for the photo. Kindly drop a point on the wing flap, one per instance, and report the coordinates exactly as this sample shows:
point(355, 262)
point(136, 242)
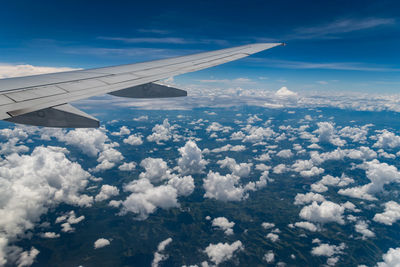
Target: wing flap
point(150, 90)
point(63, 116)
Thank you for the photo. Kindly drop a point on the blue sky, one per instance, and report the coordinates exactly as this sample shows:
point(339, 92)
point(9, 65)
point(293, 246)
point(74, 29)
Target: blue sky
point(335, 45)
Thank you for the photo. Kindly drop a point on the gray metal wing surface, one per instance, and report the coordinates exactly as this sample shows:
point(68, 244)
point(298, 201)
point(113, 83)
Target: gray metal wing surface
point(43, 99)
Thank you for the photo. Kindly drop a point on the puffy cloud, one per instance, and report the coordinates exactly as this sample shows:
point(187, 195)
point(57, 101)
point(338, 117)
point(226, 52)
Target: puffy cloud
point(327, 134)
point(141, 118)
point(67, 220)
point(286, 153)
point(280, 168)
point(146, 198)
point(101, 242)
point(134, 140)
point(269, 257)
point(258, 134)
point(106, 192)
point(93, 142)
point(283, 92)
point(229, 147)
point(156, 169)
point(390, 215)
point(302, 199)
point(329, 180)
point(216, 127)
point(328, 250)
point(224, 188)
point(191, 160)
point(241, 169)
point(387, 139)
point(306, 168)
point(27, 258)
point(391, 258)
point(354, 133)
point(122, 131)
point(379, 174)
point(127, 166)
point(238, 135)
point(9, 71)
point(325, 212)
point(158, 255)
point(221, 252)
point(362, 228)
point(184, 185)
point(267, 225)
point(107, 159)
point(263, 157)
point(50, 235)
point(31, 184)
point(89, 141)
point(161, 132)
point(306, 225)
point(223, 224)
point(273, 237)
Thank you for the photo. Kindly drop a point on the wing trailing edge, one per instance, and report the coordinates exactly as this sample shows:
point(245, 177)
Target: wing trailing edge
point(62, 116)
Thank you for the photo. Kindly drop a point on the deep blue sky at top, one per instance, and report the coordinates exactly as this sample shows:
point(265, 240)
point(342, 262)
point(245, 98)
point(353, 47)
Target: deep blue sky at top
point(332, 45)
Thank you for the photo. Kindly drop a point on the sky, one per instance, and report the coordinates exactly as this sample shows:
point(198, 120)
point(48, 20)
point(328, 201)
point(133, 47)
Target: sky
point(331, 46)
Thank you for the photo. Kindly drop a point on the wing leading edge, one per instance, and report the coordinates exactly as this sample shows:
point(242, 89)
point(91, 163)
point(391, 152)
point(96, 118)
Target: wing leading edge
point(42, 99)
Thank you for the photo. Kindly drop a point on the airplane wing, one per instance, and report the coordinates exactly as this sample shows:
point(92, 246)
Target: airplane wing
point(42, 100)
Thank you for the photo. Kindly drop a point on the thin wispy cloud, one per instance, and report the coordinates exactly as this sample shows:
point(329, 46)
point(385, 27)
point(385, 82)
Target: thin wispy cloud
point(354, 66)
point(163, 40)
point(155, 31)
point(338, 27)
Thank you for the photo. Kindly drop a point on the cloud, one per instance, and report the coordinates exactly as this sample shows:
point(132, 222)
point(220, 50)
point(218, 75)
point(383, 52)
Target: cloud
point(302, 199)
point(158, 255)
point(272, 237)
point(306, 225)
point(101, 242)
point(224, 188)
point(221, 252)
point(325, 212)
point(391, 258)
point(337, 28)
point(122, 131)
point(286, 153)
point(362, 228)
point(9, 71)
point(267, 225)
point(285, 93)
point(106, 192)
point(191, 160)
point(327, 134)
point(134, 140)
point(56, 180)
point(216, 127)
point(27, 258)
point(67, 220)
point(354, 133)
point(329, 180)
point(387, 139)
point(127, 166)
point(161, 132)
point(390, 215)
point(223, 224)
point(241, 169)
point(328, 250)
point(269, 257)
point(145, 198)
point(379, 174)
point(50, 235)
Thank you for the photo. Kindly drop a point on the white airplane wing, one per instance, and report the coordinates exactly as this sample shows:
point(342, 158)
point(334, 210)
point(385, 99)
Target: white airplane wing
point(42, 100)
